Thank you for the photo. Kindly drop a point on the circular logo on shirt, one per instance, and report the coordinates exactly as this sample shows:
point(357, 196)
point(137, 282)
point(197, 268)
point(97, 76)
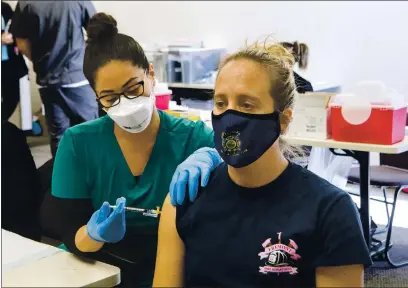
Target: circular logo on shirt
point(280, 258)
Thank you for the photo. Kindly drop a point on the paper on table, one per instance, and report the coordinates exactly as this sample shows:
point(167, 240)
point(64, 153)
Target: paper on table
point(25, 104)
point(17, 250)
point(310, 116)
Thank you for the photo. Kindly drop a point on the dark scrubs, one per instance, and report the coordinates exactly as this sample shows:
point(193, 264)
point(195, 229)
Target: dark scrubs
point(272, 236)
point(54, 29)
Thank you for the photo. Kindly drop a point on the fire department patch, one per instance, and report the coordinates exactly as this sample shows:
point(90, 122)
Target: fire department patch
point(280, 258)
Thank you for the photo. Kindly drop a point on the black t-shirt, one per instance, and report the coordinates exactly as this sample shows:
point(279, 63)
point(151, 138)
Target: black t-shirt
point(272, 236)
point(54, 29)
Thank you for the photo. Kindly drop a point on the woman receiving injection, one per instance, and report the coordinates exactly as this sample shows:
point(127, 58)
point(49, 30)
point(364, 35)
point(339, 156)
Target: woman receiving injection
point(262, 221)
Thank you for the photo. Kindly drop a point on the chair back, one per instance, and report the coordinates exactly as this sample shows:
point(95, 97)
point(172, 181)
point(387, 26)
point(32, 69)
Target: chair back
point(395, 160)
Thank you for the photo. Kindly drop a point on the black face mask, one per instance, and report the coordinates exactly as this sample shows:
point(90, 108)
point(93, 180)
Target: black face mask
point(242, 138)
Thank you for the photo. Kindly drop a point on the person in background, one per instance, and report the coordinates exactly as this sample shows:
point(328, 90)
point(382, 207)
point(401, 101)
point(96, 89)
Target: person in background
point(49, 33)
point(12, 65)
point(300, 52)
point(262, 221)
point(127, 158)
point(20, 187)
point(19, 179)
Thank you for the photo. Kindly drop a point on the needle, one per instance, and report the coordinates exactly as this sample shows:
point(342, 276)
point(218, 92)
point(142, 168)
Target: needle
point(145, 212)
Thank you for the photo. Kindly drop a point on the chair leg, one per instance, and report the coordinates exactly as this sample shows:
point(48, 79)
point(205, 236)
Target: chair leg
point(384, 190)
point(388, 241)
point(385, 229)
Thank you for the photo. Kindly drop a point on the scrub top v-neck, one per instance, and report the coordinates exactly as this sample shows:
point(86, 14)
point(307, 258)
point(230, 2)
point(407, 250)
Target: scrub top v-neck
point(139, 191)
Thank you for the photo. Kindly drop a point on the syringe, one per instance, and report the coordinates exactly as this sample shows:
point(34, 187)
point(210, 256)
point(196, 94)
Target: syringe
point(145, 212)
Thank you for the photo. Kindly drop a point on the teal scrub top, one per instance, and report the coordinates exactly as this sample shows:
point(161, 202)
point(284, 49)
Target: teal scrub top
point(90, 165)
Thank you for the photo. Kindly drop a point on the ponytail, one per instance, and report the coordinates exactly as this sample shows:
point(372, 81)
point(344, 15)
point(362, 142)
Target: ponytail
point(303, 56)
point(300, 52)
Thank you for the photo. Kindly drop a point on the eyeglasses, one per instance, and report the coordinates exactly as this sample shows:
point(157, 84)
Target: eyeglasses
point(131, 92)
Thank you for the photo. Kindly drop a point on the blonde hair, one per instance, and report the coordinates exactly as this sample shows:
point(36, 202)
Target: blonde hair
point(278, 62)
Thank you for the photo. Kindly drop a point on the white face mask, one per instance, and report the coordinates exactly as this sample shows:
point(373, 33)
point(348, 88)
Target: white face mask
point(133, 115)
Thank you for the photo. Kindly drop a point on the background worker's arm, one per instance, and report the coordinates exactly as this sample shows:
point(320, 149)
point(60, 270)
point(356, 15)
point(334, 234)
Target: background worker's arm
point(24, 47)
point(24, 25)
point(340, 276)
point(88, 10)
point(170, 250)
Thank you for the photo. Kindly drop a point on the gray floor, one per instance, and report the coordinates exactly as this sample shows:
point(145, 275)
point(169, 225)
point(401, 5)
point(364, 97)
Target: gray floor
point(380, 275)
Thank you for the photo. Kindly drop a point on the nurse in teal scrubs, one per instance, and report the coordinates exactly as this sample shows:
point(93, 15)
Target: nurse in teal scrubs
point(126, 158)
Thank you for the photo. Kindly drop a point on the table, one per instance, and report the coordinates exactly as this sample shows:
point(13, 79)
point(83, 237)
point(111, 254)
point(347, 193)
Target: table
point(360, 152)
point(26, 263)
point(191, 86)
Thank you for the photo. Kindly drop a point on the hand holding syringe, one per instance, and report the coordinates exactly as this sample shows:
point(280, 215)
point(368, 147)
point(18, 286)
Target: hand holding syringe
point(145, 212)
point(109, 226)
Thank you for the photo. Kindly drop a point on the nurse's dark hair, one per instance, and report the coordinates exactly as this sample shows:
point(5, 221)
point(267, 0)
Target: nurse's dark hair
point(105, 44)
point(278, 62)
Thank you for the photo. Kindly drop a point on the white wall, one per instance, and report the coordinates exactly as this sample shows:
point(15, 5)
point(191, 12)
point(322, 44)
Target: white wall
point(349, 41)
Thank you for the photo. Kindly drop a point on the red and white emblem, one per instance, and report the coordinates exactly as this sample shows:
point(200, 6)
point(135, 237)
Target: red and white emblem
point(280, 257)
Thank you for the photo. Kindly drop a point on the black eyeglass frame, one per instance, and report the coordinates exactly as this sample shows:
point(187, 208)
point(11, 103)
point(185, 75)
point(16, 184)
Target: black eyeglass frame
point(119, 95)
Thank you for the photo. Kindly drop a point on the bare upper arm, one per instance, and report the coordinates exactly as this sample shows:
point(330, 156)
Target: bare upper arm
point(340, 276)
point(170, 250)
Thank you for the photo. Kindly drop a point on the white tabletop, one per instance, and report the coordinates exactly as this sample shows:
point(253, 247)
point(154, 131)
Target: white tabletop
point(320, 86)
point(26, 263)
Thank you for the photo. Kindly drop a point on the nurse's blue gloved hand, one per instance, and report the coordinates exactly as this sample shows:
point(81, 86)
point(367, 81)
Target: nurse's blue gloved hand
point(108, 227)
point(198, 165)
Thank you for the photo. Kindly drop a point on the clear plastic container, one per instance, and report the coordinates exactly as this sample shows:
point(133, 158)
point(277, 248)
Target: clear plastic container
point(189, 65)
point(197, 104)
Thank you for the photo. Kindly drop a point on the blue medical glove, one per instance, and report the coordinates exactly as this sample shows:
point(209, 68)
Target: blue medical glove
point(108, 227)
point(199, 164)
